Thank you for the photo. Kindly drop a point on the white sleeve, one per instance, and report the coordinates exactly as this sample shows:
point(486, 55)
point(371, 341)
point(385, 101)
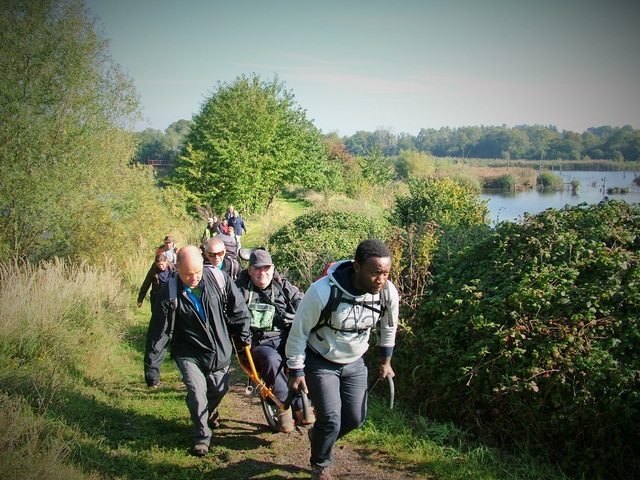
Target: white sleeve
point(307, 317)
point(389, 322)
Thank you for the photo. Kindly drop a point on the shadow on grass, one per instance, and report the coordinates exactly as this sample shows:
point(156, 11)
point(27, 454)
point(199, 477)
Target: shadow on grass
point(127, 444)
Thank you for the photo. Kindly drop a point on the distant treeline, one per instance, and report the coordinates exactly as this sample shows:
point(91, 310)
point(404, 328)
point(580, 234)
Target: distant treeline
point(535, 142)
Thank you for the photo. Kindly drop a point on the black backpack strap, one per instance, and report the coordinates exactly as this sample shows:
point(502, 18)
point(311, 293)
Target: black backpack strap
point(335, 297)
point(173, 302)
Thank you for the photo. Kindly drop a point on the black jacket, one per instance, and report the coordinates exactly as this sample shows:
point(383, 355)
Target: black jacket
point(153, 280)
point(207, 344)
point(286, 298)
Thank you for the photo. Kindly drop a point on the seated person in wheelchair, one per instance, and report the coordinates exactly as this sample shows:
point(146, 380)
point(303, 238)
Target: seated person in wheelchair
point(272, 301)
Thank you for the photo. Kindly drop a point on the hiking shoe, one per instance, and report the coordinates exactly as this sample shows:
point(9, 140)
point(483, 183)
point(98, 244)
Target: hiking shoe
point(301, 421)
point(214, 420)
point(284, 421)
point(200, 450)
point(319, 473)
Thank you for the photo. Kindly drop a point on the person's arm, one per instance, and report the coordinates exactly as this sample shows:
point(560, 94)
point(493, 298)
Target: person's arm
point(306, 318)
point(387, 328)
point(145, 285)
point(238, 314)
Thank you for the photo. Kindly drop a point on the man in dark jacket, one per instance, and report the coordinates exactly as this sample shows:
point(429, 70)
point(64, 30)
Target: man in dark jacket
point(205, 317)
point(272, 301)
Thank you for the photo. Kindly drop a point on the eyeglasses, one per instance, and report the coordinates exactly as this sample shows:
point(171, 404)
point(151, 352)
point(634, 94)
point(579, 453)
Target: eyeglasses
point(215, 254)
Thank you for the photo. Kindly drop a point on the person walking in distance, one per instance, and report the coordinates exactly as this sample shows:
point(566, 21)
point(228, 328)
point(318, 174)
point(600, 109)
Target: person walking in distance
point(206, 313)
point(326, 356)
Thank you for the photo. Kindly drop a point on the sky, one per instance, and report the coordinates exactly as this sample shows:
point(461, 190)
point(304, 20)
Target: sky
point(399, 65)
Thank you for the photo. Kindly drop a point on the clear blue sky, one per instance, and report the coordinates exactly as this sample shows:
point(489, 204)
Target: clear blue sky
point(399, 65)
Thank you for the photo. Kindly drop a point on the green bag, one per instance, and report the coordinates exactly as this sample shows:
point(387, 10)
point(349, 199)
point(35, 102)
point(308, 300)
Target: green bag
point(262, 316)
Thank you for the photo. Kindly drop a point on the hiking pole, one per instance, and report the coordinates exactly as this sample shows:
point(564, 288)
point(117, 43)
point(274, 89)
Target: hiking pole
point(392, 389)
point(306, 407)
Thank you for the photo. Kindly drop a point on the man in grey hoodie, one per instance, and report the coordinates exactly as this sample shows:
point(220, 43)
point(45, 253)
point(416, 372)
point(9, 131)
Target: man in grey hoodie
point(327, 357)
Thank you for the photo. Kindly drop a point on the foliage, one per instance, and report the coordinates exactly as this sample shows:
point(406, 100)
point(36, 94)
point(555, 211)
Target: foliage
point(302, 249)
point(154, 144)
point(532, 336)
point(549, 180)
point(249, 139)
point(30, 447)
point(376, 169)
point(444, 201)
point(505, 182)
point(67, 188)
point(530, 142)
point(414, 164)
point(430, 449)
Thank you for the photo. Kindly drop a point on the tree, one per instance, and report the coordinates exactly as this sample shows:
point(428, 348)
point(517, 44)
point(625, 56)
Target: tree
point(249, 139)
point(376, 168)
point(64, 110)
point(67, 187)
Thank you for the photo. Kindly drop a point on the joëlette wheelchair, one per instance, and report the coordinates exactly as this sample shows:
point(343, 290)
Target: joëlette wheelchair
point(268, 401)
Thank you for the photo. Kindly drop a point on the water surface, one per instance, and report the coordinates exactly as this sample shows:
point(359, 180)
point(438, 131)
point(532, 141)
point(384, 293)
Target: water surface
point(593, 186)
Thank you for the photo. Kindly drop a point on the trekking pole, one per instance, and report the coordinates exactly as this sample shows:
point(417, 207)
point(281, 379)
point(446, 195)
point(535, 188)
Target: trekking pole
point(306, 406)
point(392, 389)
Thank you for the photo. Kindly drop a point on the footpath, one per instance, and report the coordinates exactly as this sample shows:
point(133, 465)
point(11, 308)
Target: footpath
point(269, 455)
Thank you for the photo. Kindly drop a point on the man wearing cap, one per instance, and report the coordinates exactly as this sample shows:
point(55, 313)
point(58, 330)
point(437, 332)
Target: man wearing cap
point(272, 301)
point(169, 250)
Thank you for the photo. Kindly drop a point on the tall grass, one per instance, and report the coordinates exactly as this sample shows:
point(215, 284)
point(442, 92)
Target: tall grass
point(61, 325)
point(55, 314)
point(32, 448)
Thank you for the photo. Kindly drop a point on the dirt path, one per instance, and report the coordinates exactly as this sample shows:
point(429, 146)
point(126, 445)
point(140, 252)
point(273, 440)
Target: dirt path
point(288, 454)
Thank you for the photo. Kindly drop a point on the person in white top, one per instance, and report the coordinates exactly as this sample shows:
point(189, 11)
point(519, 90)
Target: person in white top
point(325, 349)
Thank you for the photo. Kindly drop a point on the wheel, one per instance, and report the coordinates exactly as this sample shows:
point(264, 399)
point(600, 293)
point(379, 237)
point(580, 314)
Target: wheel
point(270, 413)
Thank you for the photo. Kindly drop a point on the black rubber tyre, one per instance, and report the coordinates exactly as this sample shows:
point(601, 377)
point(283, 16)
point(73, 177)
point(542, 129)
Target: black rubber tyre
point(269, 410)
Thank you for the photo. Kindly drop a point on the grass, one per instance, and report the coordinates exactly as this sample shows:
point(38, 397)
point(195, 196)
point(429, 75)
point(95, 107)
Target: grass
point(73, 403)
point(433, 450)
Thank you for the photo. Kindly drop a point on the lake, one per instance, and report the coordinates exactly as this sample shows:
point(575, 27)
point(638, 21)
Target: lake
point(511, 206)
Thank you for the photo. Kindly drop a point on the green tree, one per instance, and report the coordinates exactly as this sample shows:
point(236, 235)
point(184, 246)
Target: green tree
point(64, 151)
point(376, 168)
point(249, 139)
point(151, 145)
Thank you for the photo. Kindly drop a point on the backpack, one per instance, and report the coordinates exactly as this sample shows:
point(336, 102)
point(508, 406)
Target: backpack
point(173, 294)
point(335, 299)
point(231, 254)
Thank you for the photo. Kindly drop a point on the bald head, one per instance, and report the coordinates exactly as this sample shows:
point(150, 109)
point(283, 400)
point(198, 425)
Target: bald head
point(189, 264)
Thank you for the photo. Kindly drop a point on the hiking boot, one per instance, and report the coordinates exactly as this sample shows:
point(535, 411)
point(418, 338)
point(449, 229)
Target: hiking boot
point(284, 421)
point(214, 420)
point(200, 450)
point(319, 473)
point(298, 415)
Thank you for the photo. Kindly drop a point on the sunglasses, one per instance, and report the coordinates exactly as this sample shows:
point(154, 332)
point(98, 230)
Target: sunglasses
point(215, 254)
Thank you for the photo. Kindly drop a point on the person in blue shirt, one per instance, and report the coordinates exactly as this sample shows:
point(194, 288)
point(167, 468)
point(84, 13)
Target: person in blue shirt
point(206, 315)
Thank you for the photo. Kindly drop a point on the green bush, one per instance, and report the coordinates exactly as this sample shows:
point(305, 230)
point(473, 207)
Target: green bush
point(533, 337)
point(549, 181)
point(444, 201)
point(505, 182)
point(302, 249)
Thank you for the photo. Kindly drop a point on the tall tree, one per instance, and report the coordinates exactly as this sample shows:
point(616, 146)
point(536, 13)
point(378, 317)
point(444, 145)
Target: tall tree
point(64, 109)
point(249, 139)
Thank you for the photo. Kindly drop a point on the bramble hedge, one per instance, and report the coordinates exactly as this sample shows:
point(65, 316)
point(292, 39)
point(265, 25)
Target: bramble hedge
point(532, 336)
